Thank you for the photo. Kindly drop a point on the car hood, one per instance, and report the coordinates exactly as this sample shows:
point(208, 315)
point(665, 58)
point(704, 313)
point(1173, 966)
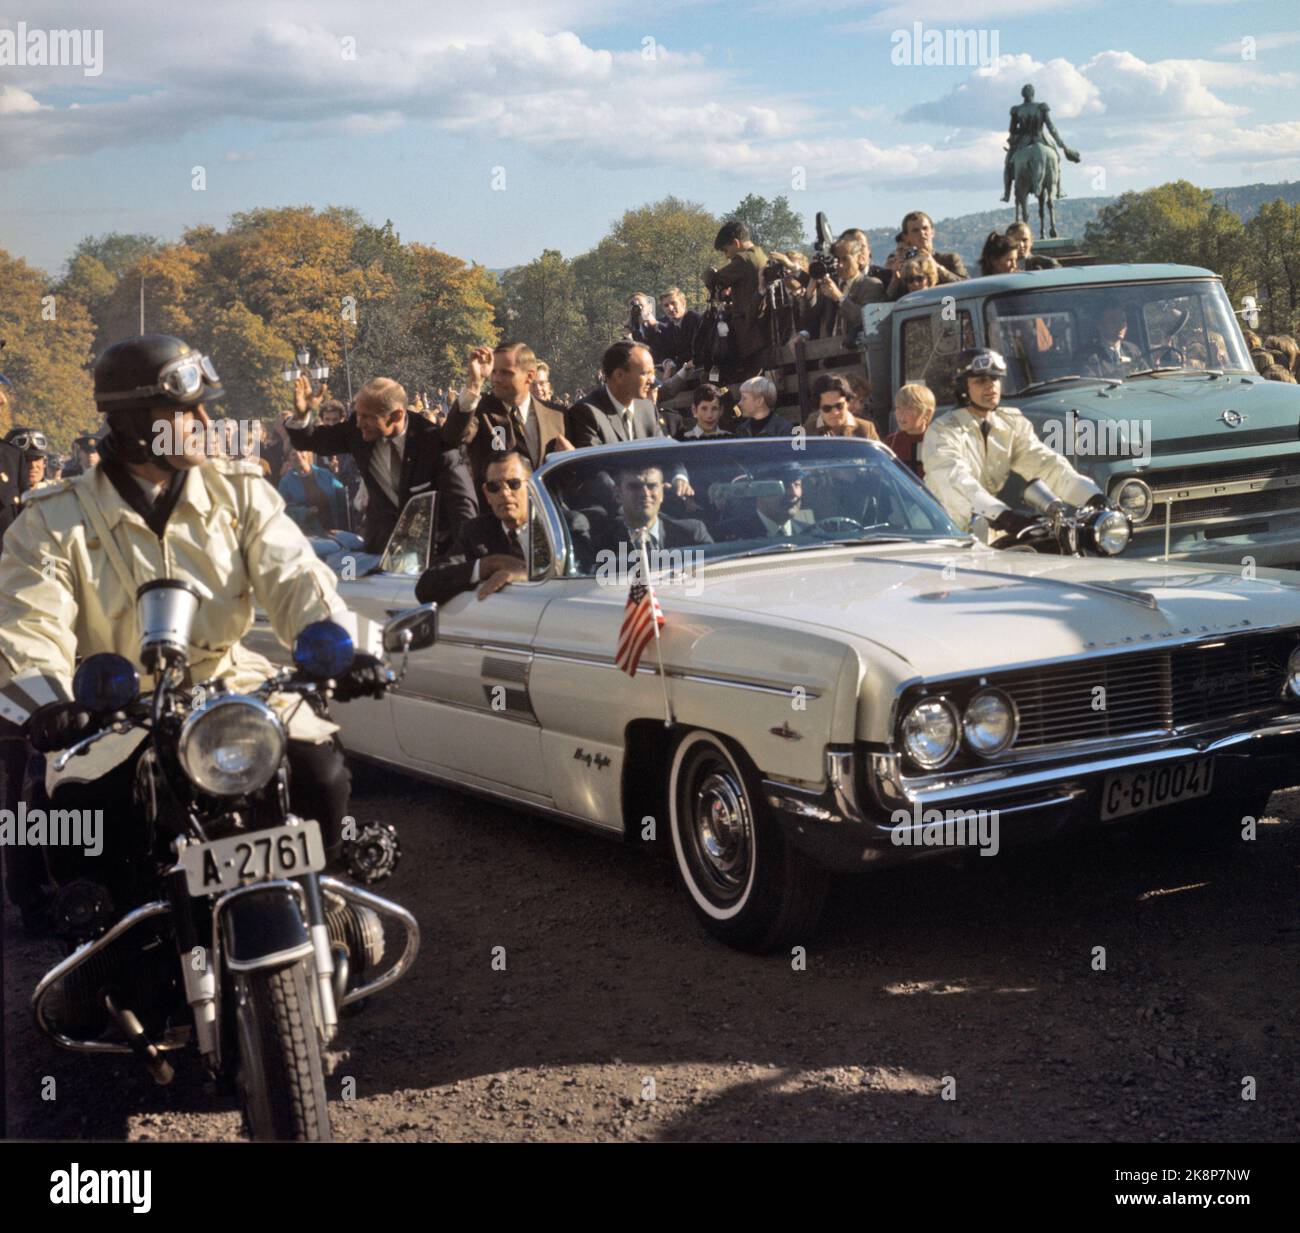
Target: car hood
point(1186, 412)
point(944, 612)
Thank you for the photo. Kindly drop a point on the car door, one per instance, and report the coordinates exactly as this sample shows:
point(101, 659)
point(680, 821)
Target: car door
point(463, 711)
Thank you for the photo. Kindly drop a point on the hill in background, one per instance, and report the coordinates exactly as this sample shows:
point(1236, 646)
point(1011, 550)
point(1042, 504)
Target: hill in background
point(965, 233)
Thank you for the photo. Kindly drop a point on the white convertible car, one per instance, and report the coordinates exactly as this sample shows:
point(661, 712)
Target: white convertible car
point(850, 680)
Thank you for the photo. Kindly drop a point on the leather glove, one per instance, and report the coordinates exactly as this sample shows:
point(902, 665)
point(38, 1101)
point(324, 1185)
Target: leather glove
point(1012, 522)
point(60, 724)
point(366, 678)
point(1096, 501)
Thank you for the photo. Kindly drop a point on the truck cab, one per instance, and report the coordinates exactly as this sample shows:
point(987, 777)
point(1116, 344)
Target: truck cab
point(1175, 425)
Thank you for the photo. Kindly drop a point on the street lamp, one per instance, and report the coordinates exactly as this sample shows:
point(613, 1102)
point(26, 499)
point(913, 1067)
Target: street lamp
point(319, 372)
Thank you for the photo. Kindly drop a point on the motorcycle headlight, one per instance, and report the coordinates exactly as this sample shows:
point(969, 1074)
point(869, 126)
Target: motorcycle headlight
point(990, 722)
point(1134, 497)
point(1111, 532)
point(1293, 673)
point(231, 746)
point(930, 732)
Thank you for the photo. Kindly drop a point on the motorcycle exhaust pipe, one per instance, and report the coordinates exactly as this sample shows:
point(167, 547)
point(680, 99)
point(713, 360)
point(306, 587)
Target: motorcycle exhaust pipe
point(141, 1045)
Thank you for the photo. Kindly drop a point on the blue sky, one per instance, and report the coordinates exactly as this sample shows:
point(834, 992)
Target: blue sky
point(498, 129)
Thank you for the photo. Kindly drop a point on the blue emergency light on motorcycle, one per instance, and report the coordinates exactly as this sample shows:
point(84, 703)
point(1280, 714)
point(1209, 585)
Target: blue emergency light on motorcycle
point(323, 649)
point(106, 683)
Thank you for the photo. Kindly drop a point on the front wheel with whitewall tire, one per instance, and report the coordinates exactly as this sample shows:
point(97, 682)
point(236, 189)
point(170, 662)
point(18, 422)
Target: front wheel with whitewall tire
point(746, 883)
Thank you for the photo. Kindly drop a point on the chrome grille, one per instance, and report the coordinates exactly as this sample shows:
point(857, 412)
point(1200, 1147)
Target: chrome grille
point(1236, 505)
point(1147, 690)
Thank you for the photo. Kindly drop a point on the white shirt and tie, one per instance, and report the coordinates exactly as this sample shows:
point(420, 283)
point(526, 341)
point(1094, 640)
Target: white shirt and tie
point(522, 534)
point(386, 465)
point(627, 414)
point(532, 430)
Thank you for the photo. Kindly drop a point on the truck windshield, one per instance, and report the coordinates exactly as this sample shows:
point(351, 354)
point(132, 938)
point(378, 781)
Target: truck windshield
point(1115, 330)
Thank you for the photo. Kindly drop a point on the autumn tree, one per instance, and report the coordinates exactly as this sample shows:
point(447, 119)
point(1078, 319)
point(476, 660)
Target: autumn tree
point(454, 310)
point(46, 355)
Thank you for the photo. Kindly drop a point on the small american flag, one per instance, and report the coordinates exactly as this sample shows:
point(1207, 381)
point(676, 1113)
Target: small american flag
point(640, 617)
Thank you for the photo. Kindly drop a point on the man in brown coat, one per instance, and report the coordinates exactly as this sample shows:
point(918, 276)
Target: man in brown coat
point(741, 275)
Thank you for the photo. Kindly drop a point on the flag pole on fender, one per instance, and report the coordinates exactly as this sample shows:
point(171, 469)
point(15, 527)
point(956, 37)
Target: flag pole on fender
point(669, 718)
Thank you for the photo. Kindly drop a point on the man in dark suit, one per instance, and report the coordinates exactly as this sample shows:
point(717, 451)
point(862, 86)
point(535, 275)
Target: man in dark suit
point(621, 409)
point(1109, 354)
point(491, 551)
point(640, 498)
point(511, 417)
point(775, 517)
point(399, 455)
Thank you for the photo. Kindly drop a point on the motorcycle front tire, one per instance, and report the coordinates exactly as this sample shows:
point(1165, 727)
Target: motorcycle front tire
point(281, 1080)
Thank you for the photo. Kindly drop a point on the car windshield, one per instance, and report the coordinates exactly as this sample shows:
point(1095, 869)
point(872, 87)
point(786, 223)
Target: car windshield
point(1114, 331)
point(745, 497)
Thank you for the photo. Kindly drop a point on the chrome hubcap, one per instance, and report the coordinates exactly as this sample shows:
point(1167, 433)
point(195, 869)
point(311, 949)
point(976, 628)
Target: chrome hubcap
point(721, 833)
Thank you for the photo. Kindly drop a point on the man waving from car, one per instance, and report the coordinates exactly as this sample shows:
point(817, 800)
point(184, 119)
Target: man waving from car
point(970, 453)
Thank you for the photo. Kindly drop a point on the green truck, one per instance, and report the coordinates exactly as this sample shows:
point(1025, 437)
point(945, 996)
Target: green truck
point(1202, 453)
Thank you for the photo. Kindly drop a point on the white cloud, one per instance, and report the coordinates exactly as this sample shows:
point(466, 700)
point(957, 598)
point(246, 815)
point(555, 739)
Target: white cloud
point(14, 101)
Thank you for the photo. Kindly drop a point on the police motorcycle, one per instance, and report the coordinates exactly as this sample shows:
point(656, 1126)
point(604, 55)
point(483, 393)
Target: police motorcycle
point(243, 950)
point(1057, 528)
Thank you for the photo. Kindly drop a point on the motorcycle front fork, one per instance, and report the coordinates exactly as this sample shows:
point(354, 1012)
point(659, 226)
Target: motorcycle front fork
point(201, 977)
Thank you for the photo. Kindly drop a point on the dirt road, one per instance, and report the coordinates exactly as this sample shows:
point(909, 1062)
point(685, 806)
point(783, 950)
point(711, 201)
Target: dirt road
point(616, 1018)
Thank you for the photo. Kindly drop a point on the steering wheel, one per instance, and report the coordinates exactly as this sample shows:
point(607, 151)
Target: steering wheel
point(1168, 357)
point(839, 525)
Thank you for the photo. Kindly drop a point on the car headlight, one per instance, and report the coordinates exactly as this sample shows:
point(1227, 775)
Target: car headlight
point(1111, 532)
point(231, 746)
point(990, 722)
point(1135, 498)
point(1293, 673)
point(930, 732)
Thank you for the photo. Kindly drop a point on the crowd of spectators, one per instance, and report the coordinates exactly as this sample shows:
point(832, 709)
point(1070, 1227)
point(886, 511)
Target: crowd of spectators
point(342, 469)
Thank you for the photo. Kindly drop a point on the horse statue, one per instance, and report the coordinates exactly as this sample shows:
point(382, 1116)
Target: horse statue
point(1033, 162)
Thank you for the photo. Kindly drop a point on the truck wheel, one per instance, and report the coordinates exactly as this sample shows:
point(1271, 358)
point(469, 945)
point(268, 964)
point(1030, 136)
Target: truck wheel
point(748, 886)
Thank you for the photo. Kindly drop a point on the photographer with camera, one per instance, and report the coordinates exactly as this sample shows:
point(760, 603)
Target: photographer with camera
point(740, 279)
point(851, 287)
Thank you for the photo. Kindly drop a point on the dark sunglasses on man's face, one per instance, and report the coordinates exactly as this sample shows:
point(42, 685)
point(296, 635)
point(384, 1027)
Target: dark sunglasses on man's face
point(495, 486)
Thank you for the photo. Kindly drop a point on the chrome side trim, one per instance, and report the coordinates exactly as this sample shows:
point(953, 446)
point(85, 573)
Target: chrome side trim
point(385, 907)
point(607, 661)
point(499, 796)
point(175, 1039)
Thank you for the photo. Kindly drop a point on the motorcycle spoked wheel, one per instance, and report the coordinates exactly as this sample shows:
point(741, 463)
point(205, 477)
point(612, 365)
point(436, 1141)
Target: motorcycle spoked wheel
point(281, 1080)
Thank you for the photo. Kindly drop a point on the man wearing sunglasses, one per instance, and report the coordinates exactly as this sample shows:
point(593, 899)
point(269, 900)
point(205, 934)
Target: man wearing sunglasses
point(491, 551)
point(158, 505)
point(969, 454)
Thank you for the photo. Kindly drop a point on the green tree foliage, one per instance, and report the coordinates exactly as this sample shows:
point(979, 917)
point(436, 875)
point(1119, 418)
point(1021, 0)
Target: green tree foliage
point(772, 224)
point(1175, 222)
point(1273, 243)
point(540, 306)
point(46, 354)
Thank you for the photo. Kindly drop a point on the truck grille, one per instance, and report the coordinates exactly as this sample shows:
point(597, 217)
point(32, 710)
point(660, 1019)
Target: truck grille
point(1148, 690)
point(1255, 488)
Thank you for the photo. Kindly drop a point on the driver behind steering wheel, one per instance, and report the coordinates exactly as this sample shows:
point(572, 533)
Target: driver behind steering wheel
point(969, 454)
